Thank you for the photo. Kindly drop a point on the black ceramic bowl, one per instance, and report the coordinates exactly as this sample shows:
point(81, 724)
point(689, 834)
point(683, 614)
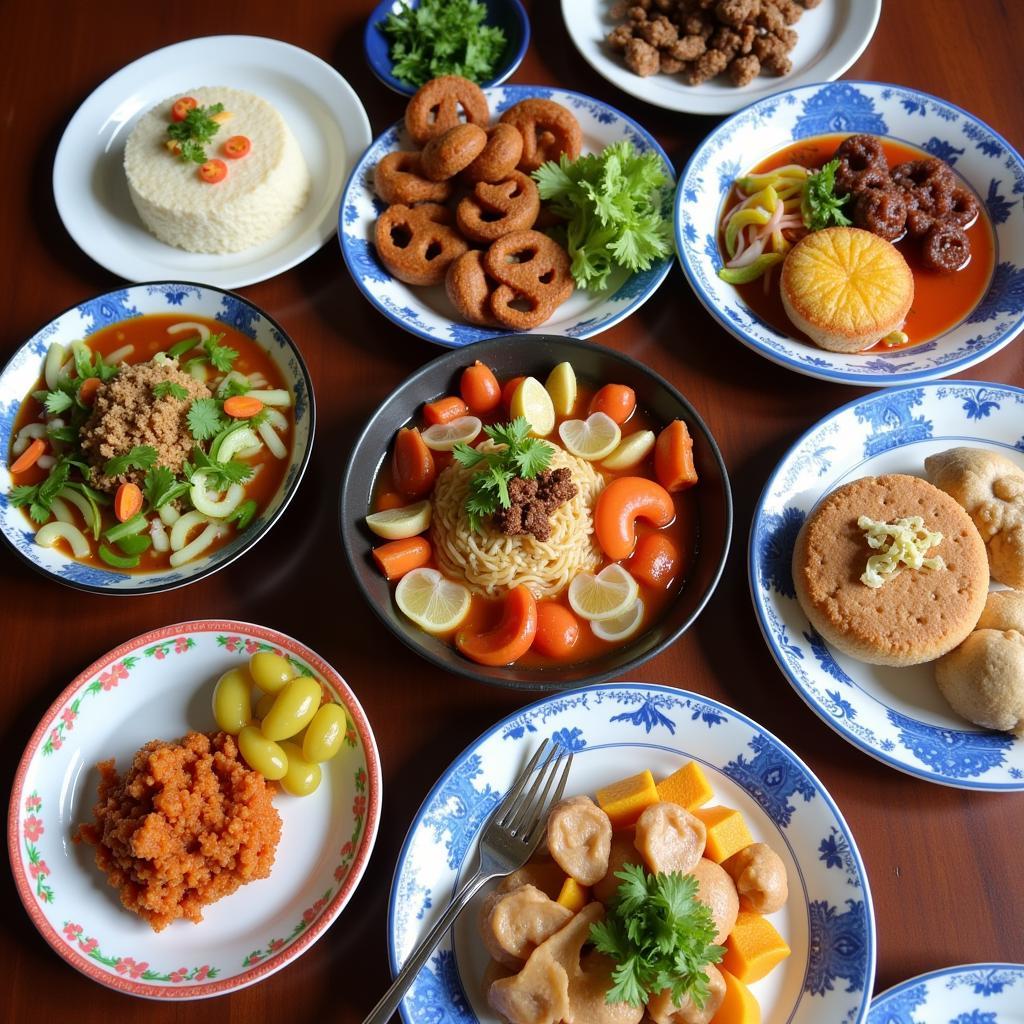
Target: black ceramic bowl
point(536, 355)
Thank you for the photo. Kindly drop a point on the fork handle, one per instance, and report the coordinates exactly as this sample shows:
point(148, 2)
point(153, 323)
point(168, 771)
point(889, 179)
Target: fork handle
point(383, 1011)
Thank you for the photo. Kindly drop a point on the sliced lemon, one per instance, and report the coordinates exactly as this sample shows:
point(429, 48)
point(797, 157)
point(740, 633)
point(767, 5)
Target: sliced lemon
point(605, 596)
point(534, 403)
point(399, 523)
point(623, 626)
point(592, 439)
point(561, 386)
point(631, 451)
point(443, 437)
point(432, 601)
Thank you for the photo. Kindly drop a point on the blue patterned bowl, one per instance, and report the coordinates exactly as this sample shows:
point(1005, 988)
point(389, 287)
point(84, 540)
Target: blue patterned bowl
point(894, 714)
point(508, 15)
point(614, 731)
point(988, 163)
point(426, 312)
point(21, 373)
point(971, 994)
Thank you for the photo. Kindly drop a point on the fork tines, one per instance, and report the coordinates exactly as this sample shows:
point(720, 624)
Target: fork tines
point(521, 815)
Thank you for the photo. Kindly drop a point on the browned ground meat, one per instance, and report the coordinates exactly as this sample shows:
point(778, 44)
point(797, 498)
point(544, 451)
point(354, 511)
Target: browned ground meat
point(533, 501)
point(744, 69)
point(659, 32)
point(705, 67)
point(642, 58)
point(126, 413)
point(946, 248)
point(687, 48)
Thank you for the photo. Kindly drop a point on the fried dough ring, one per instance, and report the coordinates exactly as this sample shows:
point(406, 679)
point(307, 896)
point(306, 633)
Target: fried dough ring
point(533, 271)
point(548, 130)
point(495, 210)
point(417, 243)
point(469, 288)
point(397, 179)
point(441, 103)
point(499, 157)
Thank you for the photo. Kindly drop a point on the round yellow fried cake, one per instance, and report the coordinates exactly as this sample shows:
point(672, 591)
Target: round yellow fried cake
point(917, 615)
point(846, 289)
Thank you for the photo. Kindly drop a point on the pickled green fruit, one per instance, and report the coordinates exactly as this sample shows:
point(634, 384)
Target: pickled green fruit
point(261, 754)
point(232, 706)
point(293, 709)
point(325, 734)
point(270, 672)
point(264, 704)
point(302, 777)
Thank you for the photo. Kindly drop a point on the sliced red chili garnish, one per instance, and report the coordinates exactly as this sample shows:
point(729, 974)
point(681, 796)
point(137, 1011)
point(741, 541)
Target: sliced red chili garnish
point(237, 146)
point(213, 171)
point(181, 107)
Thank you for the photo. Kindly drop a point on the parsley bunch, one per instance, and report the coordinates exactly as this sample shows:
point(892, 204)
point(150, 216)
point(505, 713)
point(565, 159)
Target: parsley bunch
point(194, 131)
point(820, 207)
point(660, 935)
point(442, 37)
point(519, 455)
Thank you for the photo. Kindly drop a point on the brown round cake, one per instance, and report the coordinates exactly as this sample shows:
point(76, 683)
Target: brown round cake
point(917, 615)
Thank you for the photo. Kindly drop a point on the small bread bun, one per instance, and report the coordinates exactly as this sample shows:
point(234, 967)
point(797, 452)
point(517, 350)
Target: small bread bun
point(1004, 610)
point(846, 289)
point(983, 679)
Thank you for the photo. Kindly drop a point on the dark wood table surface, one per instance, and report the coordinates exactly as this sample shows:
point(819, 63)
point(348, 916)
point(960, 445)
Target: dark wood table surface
point(944, 865)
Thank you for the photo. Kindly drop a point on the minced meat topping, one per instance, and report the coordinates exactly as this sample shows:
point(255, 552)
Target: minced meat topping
point(533, 501)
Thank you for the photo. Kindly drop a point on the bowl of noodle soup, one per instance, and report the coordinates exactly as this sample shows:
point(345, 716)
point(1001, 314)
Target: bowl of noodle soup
point(492, 565)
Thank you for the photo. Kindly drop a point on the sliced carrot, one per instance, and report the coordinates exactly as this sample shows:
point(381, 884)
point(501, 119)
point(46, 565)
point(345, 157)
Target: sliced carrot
point(618, 507)
point(510, 639)
point(558, 630)
point(389, 499)
point(127, 502)
point(655, 561)
point(29, 457)
point(87, 392)
point(444, 410)
point(673, 458)
point(412, 464)
point(479, 388)
point(616, 401)
point(509, 390)
point(398, 557)
point(242, 407)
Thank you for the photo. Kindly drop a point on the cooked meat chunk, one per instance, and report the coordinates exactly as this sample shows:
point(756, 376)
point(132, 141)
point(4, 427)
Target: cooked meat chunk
point(687, 48)
point(670, 838)
point(725, 40)
point(736, 12)
point(760, 878)
point(541, 872)
point(744, 70)
point(642, 58)
point(619, 37)
point(946, 248)
point(622, 852)
point(513, 924)
point(579, 838)
point(588, 988)
point(705, 67)
point(533, 501)
point(717, 891)
point(669, 65)
point(658, 32)
point(883, 212)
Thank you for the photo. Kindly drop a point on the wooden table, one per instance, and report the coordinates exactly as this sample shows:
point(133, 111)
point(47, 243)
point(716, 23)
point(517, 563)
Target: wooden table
point(944, 865)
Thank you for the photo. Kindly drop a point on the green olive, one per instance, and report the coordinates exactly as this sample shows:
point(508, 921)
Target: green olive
point(293, 709)
point(325, 734)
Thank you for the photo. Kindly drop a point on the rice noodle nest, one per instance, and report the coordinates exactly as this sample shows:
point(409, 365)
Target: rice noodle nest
point(490, 562)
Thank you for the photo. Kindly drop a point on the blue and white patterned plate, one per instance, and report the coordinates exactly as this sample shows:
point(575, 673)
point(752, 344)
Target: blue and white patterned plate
point(617, 730)
point(971, 994)
point(988, 163)
point(426, 312)
point(19, 376)
point(894, 714)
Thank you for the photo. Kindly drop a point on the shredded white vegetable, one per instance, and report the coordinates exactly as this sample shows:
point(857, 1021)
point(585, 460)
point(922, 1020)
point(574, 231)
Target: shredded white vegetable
point(51, 368)
point(158, 534)
point(276, 420)
point(234, 375)
point(276, 396)
point(26, 435)
point(120, 355)
point(169, 515)
point(273, 442)
point(48, 535)
point(903, 543)
point(187, 325)
point(46, 462)
point(198, 370)
point(61, 511)
point(183, 527)
point(197, 547)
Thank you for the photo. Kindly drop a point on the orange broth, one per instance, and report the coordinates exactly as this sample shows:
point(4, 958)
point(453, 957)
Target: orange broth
point(485, 613)
point(941, 301)
point(149, 335)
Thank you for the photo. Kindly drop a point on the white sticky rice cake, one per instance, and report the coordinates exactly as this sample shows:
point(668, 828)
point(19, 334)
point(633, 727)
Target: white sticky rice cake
point(262, 192)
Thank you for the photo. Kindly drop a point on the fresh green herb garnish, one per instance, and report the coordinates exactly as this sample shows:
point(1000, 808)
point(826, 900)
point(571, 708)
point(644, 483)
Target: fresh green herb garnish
point(166, 388)
point(194, 131)
point(39, 497)
point(91, 364)
point(613, 203)
point(236, 387)
point(205, 419)
point(221, 356)
point(820, 207)
point(64, 435)
point(243, 515)
point(442, 37)
point(522, 456)
point(142, 456)
point(660, 936)
point(57, 401)
point(221, 475)
point(162, 486)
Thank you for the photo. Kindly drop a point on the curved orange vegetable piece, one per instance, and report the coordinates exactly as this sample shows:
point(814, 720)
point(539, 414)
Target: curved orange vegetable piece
point(242, 407)
point(510, 639)
point(673, 458)
point(479, 388)
point(29, 457)
point(655, 561)
point(127, 501)
point(412, 464)
point(615, 400)
point(444, 410)
point(619, 506)
point(398, 557)
point(87, 392)
point(558, 630)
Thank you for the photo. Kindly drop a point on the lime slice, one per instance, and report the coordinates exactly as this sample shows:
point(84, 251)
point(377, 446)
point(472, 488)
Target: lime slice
point(534, 403)
point(399, 523)
point(623, 626)
point(631, 451)
point(561, 386)
point(593, 438)
point(433, 602)
point(443, 437)
point(605, 596)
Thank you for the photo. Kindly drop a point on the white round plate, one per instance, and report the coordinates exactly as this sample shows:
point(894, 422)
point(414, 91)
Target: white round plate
point(321, 108)
point(831, 37)
point(427, 312)
point(971, 994)
point(894, 714)
point(983, 158)
point(158, 686)
point(616, 730)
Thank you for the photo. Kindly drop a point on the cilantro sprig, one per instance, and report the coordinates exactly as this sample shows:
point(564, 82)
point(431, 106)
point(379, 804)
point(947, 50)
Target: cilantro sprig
point(219, 476)
point(142, 456)
point(820, 207)
point(39, 497)
point(193, 132)
point(168, 388)
point(519, 455)
point(205, 419)
point(660, 936)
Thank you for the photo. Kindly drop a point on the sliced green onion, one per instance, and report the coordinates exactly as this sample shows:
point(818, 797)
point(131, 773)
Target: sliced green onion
point(118, 561)
point(135, 544)
point(243, 514)
point(751, 272)
point(136, 524)
point(85, 505)
point(177, 351)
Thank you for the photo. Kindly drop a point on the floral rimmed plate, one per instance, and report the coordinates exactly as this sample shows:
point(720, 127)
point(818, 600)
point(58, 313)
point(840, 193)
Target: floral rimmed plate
point(89, 186)
point(427, 312)
point(982, 157)
point(616, 730)
point(971, 994)
point(158, 686)
point(894, 714)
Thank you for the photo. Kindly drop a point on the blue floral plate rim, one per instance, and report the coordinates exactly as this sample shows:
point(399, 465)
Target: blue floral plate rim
point(907, 997)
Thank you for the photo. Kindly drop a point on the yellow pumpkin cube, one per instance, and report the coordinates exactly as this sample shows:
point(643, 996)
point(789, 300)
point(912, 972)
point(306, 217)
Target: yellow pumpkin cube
point(624, 801)
point(573, 895)
point(739, 1005)
point(727, 832)
point(688, 787)
point(753, 948)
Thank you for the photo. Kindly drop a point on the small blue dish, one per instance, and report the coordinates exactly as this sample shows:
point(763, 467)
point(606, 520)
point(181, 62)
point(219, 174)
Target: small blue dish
point(508, 15)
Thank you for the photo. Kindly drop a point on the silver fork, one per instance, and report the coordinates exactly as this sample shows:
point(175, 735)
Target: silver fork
point(509, 838)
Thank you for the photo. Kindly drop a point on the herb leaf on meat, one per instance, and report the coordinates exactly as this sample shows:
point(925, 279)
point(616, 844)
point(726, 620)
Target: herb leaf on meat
point(142, 456)
point(205, 419)
point(820, 207)
point(91, 364)
point(165, 388)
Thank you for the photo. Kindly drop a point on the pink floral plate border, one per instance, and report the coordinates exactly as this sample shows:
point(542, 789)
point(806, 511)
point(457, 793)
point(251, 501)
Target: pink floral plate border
point(25, 822)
